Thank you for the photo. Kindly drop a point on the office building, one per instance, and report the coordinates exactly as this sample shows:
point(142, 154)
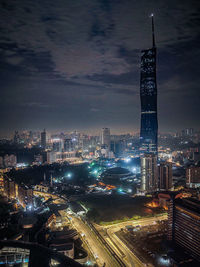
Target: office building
point(148, 98)
point(14, 191)
point(105, 137)
point(43, 139)
point(149, 173)
point(9, 188)
point(10, 161)
point(193, 176)
point(16, 138)
point(68, 145)
point(184, 224)
point(60, 157)
point(118, 147)
point(188, 132)
point(165, 175)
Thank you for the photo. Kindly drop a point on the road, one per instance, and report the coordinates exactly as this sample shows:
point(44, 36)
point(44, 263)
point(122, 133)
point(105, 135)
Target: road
point(119, 247)
point(112, 248)
point(142, 222)
point(94, 244)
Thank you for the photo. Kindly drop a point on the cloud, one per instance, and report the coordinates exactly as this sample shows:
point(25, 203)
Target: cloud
point(86, 57)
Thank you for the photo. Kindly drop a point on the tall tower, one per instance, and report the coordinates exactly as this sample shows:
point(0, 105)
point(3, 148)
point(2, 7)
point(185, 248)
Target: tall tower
point(43, 139)
point(105, 137)
point(148, 98)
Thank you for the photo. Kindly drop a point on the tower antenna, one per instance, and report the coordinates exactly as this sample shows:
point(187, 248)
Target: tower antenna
point(153, 35)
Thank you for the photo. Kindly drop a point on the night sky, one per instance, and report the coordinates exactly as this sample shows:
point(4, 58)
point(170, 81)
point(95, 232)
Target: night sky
point(75, 64)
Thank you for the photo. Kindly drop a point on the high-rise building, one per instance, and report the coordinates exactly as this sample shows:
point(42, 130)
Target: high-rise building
point(149, 173)
point(188, 132)
point(57, 144)
point(16, 138)
point(105, 137)
point(184, 224)
point(165, 175)
point(148, 97)
point(193, 176)
point(9, 188)
point(43, 139)
point(68, 144)
point(10, 161)
point(117, 147)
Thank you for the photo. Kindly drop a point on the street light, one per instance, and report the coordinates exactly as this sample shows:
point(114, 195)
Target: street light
point(69, 175)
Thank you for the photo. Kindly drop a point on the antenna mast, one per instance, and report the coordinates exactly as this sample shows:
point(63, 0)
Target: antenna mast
point(153, 35)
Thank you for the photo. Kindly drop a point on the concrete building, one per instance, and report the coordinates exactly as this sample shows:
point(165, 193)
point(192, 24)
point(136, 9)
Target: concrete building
point(193, 176)
point(14, 191)
point(67, 248)
point(9, 188)
point(149, 173)
point(165, 176)
point(10, 161)
point(184, 224)
point(105, 137)
point(43, 139)
point(62, 157)
point(1, 162)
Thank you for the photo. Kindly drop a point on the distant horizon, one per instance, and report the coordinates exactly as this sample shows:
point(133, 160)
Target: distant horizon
point(96, 132)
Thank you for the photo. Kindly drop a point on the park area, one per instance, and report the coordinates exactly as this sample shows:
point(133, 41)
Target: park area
point(107, 209)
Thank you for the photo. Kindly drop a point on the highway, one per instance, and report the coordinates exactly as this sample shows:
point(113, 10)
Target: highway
point(142, 222)
point(120, 248)
point(94, 243)
point(108, 249)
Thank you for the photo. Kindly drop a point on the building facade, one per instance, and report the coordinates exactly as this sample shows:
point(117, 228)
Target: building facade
point(184, 224)
point(105, 137)
point(22, 193)
point(193, 176)
point(43, 139)
point(165, 176)
point(149, 173)
point(148, 98)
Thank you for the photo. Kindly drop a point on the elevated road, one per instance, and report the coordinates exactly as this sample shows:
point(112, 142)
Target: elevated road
point(120, 248)
point(95, 244)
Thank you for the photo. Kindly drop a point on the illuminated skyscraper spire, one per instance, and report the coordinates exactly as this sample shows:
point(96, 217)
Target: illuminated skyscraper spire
point(153, 35)
point(148, 98)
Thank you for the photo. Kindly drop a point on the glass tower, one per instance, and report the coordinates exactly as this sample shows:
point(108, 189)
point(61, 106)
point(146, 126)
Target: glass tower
point(148, 98)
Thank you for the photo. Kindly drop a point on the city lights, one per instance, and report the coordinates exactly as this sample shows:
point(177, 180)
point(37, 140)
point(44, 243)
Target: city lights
point(90, 175)
point(127, 160)
point(69, 175)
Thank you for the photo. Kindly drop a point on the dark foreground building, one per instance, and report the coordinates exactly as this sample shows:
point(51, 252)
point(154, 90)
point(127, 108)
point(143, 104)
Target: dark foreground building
point(184, 225)
point(148, 97)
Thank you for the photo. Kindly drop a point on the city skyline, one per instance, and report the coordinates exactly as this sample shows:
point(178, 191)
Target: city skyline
point(72, 75)
point(100, 134)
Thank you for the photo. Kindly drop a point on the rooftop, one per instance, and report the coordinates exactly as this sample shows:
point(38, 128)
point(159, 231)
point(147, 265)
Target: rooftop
point(190, 204)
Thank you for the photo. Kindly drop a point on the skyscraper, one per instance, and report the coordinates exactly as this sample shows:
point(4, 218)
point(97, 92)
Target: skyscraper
point(16, 138)
point(148, 97)
point(43, 139)
point(149, 174)
point(165, 175)
point(184, 224)
point(193, 176)
point(105, 137)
